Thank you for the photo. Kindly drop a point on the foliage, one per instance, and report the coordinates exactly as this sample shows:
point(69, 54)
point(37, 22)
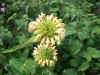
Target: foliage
point(79, 52)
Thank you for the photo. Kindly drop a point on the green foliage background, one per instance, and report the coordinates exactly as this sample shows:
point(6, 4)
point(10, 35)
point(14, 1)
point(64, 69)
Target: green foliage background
point(78, 54)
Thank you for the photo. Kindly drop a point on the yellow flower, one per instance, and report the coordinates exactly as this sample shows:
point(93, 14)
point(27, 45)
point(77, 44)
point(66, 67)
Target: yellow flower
point(45, 55)
point(31, 26)
point(48, 28)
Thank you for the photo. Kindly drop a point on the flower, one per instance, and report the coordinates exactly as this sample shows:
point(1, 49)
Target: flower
point(3, 4)
point(45, 55)
point(48, 29)
point(2, 9)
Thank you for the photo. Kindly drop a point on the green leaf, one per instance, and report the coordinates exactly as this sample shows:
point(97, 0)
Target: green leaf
point(90, 42)
point(71, 28)
point(21, 38)
point(90, 53)
point(54, 9)
point(12, 17)
point(30, 66)
point(1, 71)
point(96, 30)
point(84, 66)
point(82, 35)
point(16, 65)
point(75, 46)
point(1, 42)
point(86, 55)
point(94, 52)
point(75, 62)
point(69, 72)
point(3, 59)
point(22, 68)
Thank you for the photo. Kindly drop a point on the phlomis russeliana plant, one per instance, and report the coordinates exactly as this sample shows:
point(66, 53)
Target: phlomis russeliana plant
point(49, 30)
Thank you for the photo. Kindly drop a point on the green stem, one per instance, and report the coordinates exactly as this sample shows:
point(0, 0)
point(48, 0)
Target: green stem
point(18, 47)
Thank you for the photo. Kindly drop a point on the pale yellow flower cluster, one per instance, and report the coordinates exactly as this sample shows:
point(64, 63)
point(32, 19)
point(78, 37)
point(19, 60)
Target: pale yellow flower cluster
point(48, 29)
point(45, 55)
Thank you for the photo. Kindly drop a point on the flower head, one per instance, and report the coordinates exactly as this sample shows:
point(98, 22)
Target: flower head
point(48, 29)
point(45, 55)
point(3, 4)
point(2, 9)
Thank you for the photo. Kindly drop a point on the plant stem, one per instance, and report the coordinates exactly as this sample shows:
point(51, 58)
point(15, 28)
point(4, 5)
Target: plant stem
point(26, 43)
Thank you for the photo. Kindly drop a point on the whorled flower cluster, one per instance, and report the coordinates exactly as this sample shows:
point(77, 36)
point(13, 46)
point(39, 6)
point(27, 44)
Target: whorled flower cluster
point(49, 30)
point(45, 55)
